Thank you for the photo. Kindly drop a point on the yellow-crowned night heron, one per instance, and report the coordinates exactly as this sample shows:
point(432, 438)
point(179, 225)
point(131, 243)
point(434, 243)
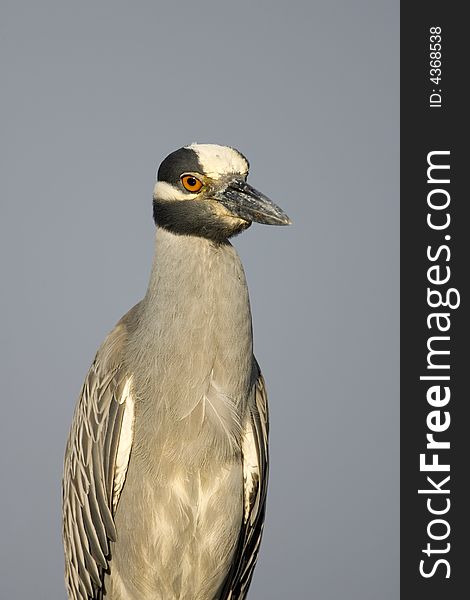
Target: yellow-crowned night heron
point(166, 464)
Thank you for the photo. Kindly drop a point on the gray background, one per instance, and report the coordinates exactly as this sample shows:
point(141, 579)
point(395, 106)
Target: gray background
point(94, 95)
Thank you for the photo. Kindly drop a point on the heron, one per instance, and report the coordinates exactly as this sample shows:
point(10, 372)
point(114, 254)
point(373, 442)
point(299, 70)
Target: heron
point(166, 463)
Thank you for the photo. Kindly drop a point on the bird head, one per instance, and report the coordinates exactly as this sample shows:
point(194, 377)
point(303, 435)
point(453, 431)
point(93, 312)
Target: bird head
point(201, 190)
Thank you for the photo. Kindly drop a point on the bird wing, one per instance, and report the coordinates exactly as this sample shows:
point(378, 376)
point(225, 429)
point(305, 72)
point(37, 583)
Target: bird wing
point(96, 461)
point(255, 478)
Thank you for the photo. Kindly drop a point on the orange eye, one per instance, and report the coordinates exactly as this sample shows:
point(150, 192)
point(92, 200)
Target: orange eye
point(191, 183)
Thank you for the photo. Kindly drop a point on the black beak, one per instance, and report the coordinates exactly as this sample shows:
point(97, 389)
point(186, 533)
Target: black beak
point(247, 203)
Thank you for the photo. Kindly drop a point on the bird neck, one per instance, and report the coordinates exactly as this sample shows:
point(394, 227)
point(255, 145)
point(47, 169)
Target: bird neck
point(197, 280)
point(192, 351)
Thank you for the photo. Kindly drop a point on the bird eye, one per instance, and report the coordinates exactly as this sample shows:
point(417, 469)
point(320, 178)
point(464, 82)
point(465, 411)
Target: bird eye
point(191, 183)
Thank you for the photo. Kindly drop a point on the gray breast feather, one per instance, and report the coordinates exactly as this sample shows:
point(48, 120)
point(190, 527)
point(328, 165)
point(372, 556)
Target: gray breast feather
point(96, 460)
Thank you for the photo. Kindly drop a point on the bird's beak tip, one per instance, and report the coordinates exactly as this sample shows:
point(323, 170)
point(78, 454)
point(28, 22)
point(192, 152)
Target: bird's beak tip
point(281, 222)
point(279, 218)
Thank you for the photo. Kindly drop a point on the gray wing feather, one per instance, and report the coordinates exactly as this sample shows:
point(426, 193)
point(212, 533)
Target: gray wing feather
point(255, 473)
point(87, 488)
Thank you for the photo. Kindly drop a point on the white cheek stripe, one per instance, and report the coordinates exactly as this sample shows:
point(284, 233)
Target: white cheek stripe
point(166, 191)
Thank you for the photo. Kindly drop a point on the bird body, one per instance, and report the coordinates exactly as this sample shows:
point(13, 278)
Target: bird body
point(166, 464)
point(186, 461)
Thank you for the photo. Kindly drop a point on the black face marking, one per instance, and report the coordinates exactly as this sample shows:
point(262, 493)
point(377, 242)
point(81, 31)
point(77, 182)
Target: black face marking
point(184, 160)
point(194, 217)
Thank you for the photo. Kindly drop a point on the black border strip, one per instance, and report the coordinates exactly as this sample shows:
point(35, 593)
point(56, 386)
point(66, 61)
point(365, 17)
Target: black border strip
point(426, 128)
